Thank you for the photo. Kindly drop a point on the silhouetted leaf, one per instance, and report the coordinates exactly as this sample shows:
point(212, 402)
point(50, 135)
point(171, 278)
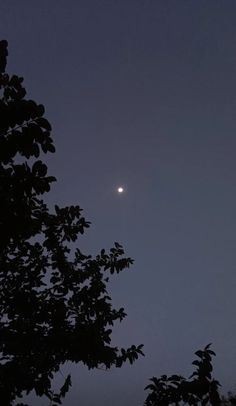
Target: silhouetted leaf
point(44, 123)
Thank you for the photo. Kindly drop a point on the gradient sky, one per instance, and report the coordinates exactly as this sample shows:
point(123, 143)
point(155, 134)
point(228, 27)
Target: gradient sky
point(143, 94)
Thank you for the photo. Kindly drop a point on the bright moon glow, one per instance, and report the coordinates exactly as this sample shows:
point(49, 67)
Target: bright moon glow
point(120, 190)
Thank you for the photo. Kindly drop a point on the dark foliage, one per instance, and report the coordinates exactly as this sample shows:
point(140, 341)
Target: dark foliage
point(199, 389)
point(229, 400)
point(54, 305)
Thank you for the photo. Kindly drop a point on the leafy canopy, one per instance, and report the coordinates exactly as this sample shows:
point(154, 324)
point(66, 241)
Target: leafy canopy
point(199, 389)
point(54, 305)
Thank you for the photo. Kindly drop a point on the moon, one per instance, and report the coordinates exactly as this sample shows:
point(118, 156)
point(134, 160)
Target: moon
point(120, 189)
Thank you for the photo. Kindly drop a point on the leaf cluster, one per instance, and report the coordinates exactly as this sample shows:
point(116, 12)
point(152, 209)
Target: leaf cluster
point(200, 388)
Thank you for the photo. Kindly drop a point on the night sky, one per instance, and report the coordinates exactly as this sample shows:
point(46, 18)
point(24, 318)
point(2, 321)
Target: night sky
point(142, 94)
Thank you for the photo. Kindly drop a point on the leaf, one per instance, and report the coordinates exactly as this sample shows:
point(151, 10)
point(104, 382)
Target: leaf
point(199, 353)
point(211, 352)
point(43, 123)
point(50, 148)
point(51, 179)
point(39, 169)
point(35, 150)
point(65, 387)
point(40, 110)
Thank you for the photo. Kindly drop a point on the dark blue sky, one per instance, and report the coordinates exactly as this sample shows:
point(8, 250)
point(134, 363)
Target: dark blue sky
point(143, 94)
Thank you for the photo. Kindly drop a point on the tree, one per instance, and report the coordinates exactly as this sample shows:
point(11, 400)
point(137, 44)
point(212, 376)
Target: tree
point(54, 305)
point(200, 388)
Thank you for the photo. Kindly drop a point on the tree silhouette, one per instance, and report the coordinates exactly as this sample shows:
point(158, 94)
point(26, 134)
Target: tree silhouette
point(200, 388)
point(54, 305)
